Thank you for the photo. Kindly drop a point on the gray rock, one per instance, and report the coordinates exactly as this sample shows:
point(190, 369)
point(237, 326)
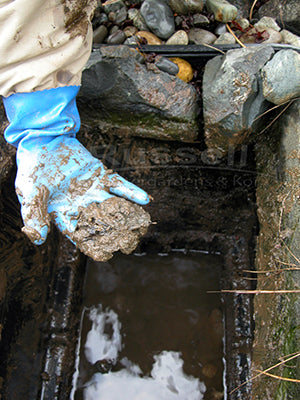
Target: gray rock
point(232, 95)
point(201, 36)
point(281, 77)
point(126, 99)
point(287, 13)
point(225, 38)
point(200, 20)
point(138, 21)
point(158, 17)
point(130, 31)
point(117, 37)
point(221, 28)
point(222, 10)
point(289, 38)
point(121, 15)
point(243, 7)
point(267, 22)
point(186, 6)
point(132, 40)
point(99, 34)
point(178, 38)
point(113, 6)
point(243, 22)
point(166, 65)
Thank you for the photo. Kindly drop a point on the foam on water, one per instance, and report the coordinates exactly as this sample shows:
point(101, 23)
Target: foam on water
point(167, 381)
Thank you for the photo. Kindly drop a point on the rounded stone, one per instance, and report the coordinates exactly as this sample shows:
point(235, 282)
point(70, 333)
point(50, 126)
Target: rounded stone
point(150, 37)
point(281, 77)
point(99, 34)
point(130, 31)
point(179, 37)
point(117, 37)
point(138, 21)
point(166, 65)
point(222, 10)
point(186, 6)
point(201, 36)
point(289, 38)
point(185, 72)
point(200, 20)
point(267, 22)
point(158, 17)
point(225, 38)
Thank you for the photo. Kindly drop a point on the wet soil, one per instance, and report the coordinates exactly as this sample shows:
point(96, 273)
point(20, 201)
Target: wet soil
point(113, 225)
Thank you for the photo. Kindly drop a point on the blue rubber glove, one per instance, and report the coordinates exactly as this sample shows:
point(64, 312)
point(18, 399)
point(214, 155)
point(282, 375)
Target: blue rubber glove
point(56, 174)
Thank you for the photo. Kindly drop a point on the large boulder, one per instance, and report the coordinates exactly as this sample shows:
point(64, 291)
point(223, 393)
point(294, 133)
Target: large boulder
point(232, 95)
point(121, 95)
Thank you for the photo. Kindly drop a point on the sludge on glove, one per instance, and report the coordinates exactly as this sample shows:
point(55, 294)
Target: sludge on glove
point(56, 175)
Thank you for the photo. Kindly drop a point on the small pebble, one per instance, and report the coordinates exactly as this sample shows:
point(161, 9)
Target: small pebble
point(132, 40)
point(117, 37)
point(201, 36)
point(158, 17)
point(138, 21)
point(130, 31)
point(225, 38)
point(150, 37)
point(267, 22)
point(186, 6)
point(243, 23)
point(186, 72)
point(222, 10)
point(221, 28)
point(99, 34)
point(289, 38)
point(179, 37)
point(166, 65)
point(113, 5)
point(200, 20)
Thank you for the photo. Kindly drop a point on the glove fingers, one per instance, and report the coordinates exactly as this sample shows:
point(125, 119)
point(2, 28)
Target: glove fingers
point(65, 210)
point(35, 215)
point(121, 187)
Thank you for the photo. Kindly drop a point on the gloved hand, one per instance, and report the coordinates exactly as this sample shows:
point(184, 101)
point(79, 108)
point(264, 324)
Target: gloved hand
point(56, 174)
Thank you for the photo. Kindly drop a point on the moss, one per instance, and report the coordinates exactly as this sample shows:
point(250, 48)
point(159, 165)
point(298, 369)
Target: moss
point(277, 316)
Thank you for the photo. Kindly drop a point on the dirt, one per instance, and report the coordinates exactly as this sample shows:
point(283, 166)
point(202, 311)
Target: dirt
point(104, 228)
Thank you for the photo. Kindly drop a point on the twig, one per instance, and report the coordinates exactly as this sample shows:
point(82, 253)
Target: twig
point(254, 291)
point(212, 47)
point(278, 377)
point(273, 270)
point(277, 116)
point(236, 38)
point(293, 355)
point(251, 9)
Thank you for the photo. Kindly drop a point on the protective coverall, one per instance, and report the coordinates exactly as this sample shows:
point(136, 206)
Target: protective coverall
point(44, 47)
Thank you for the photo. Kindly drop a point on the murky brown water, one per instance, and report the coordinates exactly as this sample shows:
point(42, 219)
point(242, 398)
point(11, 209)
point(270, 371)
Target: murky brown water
point(162, 304)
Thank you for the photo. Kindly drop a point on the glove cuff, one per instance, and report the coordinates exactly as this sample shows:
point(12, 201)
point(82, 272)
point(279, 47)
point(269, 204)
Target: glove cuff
point(38, 117)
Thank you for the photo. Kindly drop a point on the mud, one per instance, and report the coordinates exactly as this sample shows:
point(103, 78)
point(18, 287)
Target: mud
point(113, 225)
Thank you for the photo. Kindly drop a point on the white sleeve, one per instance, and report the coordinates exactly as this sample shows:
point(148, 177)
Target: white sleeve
point(44, 44)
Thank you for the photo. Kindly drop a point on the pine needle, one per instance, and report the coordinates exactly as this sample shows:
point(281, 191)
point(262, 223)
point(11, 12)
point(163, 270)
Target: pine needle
point(254, 291)
point(212, 47)
point(251, 9)
point(294, 355)
point(282, 378)
point(236, 38)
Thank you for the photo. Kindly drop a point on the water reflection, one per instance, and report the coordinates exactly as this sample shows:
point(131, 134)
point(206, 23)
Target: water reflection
point(152, 317)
